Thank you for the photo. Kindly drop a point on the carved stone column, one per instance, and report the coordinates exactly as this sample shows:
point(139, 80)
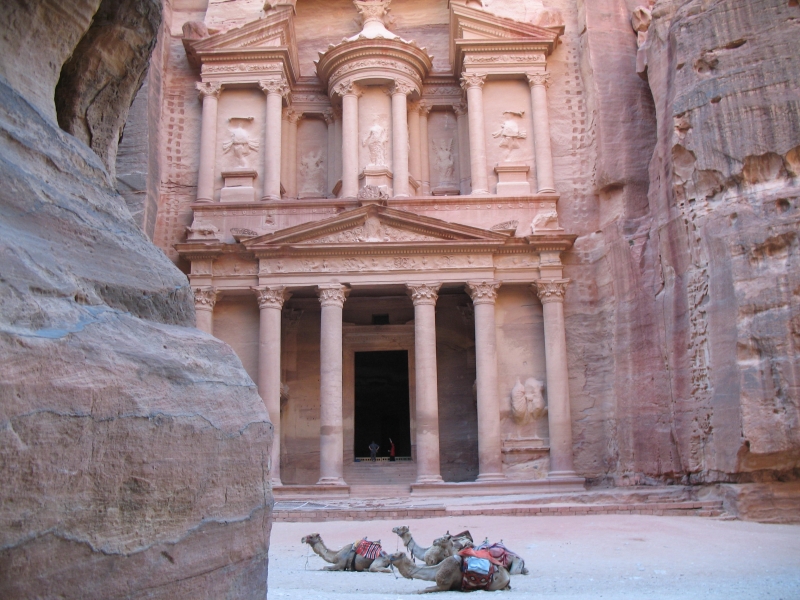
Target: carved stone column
point(545, 181)
point(484, 296)
point(463, 148)
point(349, 93)
point(293, 117)
point(424, 155)
point(285, 147)
point(551, 293)
point(331, 441)
point(424, 296)
point(477, 135)
point(331, 178)
point(204, 300)
point(275, 88)
point(400, 90)
point(270, 303)
point(337, 160)
point(209, 95)
point(413, 141)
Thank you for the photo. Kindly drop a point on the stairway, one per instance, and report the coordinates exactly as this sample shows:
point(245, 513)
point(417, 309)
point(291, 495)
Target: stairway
point(381, 479)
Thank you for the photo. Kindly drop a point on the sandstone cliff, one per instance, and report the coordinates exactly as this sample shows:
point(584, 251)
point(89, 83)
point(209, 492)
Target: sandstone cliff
point(134, 449)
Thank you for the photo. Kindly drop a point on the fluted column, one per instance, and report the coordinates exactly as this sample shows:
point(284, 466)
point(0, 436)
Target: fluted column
point(424, 297)
point(400, 91)
point(204, 300)
point(490, 462)
point(551, 293)
point(545, 181)
point(424, 155)
point(463, 148)
point(477, 134)
point(413, 141)
point(331, 441)
point(209, 95)
point(270, 303)
point(331, 172)
point(349, 93)
point(275, 88)
point(292, 117)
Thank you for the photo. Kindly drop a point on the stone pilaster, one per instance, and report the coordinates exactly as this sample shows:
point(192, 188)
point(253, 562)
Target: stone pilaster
point(349, 92)
point(545, 181)
point(463, 148)
point(424, 296)
point(293, 117)
point(414, 164)
point(424, 156)
point(205, 298)
point(330, 121)
point(473, 84)
point(400, 90)
point(275, 89)
point(490, 463)
point(209, 95)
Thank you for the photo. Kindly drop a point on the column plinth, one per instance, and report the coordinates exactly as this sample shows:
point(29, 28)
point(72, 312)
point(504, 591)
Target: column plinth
point(477, 133)
point(424, 154)
point(551, 293)
point(331, 440)
point(204, 301)
point(490, 461)
point(349, 93)
point(209, 94)
point(400, 137)
point(275, 89)
point(545, 182)
point(270, 304)
point(424, 297)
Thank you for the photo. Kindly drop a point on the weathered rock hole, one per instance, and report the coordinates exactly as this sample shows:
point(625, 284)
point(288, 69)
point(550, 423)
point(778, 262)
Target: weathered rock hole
point(716, 99)
point(762, 168)
point(793, 161)
point(735, 44)
point(783, 204)
point(794, 3)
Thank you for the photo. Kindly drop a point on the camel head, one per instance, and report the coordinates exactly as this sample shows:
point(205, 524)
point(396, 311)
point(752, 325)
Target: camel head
point(400, 530)
point(311, 539)
point(445, 540)
point(397, 557)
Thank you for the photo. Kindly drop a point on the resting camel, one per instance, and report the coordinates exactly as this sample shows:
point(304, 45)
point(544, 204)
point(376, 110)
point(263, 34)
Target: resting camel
point(346, 559)
point(433, 555)
point(516, 566)
point(446, 574)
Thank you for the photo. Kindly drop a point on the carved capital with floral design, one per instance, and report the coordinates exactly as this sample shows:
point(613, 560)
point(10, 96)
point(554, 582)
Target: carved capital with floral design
point(346, 88)
point(424, 293)
point(460, 109)
point(401, 87)
point(483, 292)
point(271, 296)
point(328, 116)
point(372, 10)
point(274, 85)
point(550, 290)
point(205, 298)
point(208, 89)
point(424, 108)
point(332, 295)
point(538, 79)
point(472, 80)
point(293, 116)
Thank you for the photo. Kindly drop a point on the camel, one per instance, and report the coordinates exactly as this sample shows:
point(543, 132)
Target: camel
point(346, 559)
point(517, 564)
point(433, 555)
point(447, 574)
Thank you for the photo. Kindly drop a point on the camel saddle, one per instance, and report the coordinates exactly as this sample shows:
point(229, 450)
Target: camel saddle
point(367, 549)
point(499, 552)
point(477, 569)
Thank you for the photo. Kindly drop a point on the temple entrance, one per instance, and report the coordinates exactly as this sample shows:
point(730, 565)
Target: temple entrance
point(382, 403)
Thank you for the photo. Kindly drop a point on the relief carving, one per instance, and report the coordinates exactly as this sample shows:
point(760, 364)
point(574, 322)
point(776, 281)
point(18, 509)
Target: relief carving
point(208, 89)
point(443, 153)
point(506, 226)
point(375, 141)
point(200, 231)
point(545, 221)
point(470, 80)
point(505, 58)
point(372, 264)
point(271, 296)
point(373, 192)
point(239, 142)
point(373, 231)
point(511, 133)
point(527, 401)
point(205, 298)
point(312, 173)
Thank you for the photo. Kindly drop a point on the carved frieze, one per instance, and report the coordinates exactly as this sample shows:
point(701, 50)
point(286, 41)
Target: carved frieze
point(373, 264)
point(227, 266)
point(379, 63)
point(504, 58)
point(242, 68)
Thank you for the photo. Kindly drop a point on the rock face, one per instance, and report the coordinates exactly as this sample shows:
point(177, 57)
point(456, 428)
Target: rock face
point(134, 450)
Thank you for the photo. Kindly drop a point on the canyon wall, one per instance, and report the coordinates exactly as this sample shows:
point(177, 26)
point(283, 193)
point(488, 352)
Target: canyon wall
point(134, 449)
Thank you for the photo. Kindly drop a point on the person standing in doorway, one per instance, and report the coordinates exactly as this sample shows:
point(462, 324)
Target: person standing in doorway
point(391, 450)
point(373, 451)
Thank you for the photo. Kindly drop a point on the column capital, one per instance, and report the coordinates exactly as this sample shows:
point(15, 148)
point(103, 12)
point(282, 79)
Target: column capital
point(403, 88)
point(328, 116)
point(274, 85)
point(271, 296)
point(424, 293)
point(472, 80)
point(332, 294)
point(413, 106)
point(538, 79)
point(483, 292)
point(460, 109)
point(205, 89)
point(204, 298)
point(347, 88)
point(293, 116)
point(424, 108)
point(550, 290)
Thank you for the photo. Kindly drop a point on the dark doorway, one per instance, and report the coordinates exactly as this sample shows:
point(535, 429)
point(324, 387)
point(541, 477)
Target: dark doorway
point(381, 399)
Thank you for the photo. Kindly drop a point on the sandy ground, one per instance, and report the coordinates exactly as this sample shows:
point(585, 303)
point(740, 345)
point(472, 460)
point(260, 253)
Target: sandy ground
point(609, 556)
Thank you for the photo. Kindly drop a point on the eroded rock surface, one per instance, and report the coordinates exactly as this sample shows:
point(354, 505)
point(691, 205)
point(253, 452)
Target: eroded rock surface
point(134, 450)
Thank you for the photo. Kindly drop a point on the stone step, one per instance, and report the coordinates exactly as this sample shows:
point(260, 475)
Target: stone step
point(380, 491)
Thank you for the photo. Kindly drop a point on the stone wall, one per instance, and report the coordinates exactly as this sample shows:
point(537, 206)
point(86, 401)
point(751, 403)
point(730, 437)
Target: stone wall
point(134, 450)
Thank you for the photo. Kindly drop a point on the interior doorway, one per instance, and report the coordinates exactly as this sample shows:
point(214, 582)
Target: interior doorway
point(382, 403)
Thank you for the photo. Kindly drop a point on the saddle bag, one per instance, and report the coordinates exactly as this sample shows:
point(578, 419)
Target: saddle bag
point(476, 573)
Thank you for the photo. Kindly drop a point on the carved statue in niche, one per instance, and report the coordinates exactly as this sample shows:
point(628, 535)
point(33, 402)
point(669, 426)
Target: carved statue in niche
point(511, 133)
point(545, 221)
point(311, 172)
point(239, 142)
point(527, 401)
point(375, 141)
point(443, 151)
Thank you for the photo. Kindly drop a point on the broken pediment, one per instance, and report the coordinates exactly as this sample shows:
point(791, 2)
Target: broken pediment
point(375, 225)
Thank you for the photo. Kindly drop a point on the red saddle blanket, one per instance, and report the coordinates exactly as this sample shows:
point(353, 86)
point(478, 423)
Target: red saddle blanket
point(477, 569)
point(368, 549)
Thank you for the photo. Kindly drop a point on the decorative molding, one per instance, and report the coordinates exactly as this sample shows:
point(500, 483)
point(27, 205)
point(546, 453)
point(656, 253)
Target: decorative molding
point(504, 58)
point(505, 226)
point(472, 80)
point(383, 63)
point(401, 87)
point(550, 290)
point(483, 292)
point(332, 295)
point(538, 79)
point(356, 262)
point(460, 109)
point(271, 296)
point(346, 88)
point(424, 108)
point(205, 298)
point(424, 293)
point(208, 89)
point(293, 116)
point(241, 68)
point(274, 85)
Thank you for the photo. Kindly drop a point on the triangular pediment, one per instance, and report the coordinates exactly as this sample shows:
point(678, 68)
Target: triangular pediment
point(374, 224)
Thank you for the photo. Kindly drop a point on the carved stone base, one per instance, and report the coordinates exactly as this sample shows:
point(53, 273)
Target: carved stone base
point(380, 177)
point(238, 186)
point(513, 179)
point(446, 189)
